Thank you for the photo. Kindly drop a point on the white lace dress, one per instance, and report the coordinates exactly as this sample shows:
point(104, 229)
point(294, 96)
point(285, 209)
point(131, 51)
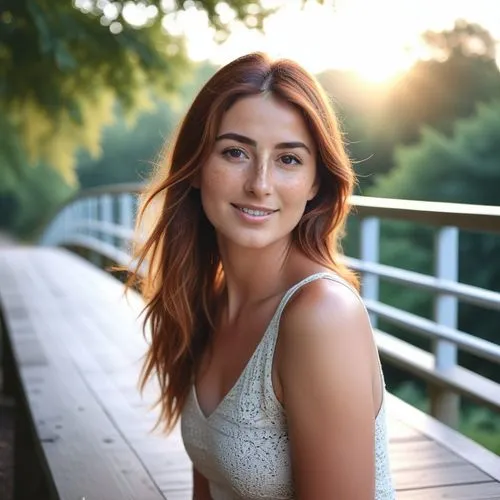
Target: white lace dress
point(242, 447)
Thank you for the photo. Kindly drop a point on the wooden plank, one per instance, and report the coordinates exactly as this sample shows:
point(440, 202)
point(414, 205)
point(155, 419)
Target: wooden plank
point(76, 330)
point(28, 350)
point(477, 491)
point(106, 315)
point(98, 337)
point(455, 474)
point(470, 451)
point(81, 339)
point(164, 456)
point(399, 431)
point(419, 454)
point(84, 451)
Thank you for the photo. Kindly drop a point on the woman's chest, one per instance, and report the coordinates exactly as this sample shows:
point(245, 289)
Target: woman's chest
point(242, 449)
point(233, 349)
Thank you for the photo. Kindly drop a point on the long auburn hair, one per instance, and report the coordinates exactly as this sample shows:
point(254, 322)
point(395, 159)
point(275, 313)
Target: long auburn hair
point(183, 276)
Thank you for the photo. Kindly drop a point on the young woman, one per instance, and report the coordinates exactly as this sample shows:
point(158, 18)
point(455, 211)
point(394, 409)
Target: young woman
point(259, 339)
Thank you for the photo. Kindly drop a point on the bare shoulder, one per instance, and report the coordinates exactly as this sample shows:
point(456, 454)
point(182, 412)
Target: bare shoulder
point(325, 329)
point(325, 306)
point(325, 369)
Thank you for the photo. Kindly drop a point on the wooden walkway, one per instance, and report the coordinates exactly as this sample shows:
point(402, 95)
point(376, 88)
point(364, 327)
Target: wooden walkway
point(98, 334)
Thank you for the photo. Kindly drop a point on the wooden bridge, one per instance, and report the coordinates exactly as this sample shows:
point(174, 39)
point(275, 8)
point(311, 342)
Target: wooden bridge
point(72, 347)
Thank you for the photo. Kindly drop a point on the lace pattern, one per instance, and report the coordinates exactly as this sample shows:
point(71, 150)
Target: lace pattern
point(242, 447)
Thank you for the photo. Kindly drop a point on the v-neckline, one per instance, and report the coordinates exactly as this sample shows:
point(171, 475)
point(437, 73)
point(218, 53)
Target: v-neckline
point(281, 304)
point(238, 380)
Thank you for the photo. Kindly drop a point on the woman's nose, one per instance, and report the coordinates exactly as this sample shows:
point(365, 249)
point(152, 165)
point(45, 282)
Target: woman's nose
point(259, 180)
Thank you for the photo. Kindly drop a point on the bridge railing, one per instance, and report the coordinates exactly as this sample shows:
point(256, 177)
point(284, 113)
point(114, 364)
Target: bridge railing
point(101, 221)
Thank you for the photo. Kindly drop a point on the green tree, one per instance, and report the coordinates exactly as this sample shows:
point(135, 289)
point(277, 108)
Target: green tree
point(63, 67)
point(29, 198)
point(360, 107)
point(460, 72)
point(38, 195)
point(129, 150)
point(463, 168)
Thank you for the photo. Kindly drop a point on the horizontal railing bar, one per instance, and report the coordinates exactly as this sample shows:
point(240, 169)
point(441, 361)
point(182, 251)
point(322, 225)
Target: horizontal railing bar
point(95, 192)
point(105, 249)
point(113, 253)
point(466, 293)
point(114, 189)
point(421, 363)
point(461, 215)
point(106, 228)
point(421, 326)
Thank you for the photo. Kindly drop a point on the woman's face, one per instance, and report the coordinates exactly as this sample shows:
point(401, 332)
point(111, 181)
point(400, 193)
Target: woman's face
point(260, 174)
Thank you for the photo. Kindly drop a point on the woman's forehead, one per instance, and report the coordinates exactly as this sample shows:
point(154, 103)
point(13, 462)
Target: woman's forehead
point(266, 116)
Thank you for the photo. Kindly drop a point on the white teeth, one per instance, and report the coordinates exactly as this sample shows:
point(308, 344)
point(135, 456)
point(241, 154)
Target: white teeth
point(256, 213)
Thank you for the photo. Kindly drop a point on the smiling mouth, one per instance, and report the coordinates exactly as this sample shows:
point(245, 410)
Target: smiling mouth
point(254, 212)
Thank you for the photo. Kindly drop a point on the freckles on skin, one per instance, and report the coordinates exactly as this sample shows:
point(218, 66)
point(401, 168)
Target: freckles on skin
point(213, 175)
point(264, 156)
point(221, 178)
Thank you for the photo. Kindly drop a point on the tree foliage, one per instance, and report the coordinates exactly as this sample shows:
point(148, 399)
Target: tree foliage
point(63, 67)
point(37, 197)
point(462, 168)
point(461, 71)
point(129, 149)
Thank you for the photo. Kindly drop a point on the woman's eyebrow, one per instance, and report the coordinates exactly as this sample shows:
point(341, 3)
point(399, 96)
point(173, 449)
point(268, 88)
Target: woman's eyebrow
point(292, 145)
point(237, 137)
point(251, 142)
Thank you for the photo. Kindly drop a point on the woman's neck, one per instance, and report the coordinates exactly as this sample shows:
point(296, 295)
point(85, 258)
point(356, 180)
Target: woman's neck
point(253, 275)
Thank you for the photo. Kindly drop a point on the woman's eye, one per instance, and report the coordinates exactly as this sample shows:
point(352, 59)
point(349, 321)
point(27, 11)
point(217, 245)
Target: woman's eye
point(290, 160)
point(234, 153)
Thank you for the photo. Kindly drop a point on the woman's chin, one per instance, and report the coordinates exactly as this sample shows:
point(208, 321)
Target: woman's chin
point(251, 242)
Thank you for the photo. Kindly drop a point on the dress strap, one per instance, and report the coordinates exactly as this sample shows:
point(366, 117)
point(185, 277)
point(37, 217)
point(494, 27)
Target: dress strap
point(272, 333)
point(274, 327)
point(295, 288)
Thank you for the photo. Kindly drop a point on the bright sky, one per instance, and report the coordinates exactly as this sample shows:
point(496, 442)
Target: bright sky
point(377, 38)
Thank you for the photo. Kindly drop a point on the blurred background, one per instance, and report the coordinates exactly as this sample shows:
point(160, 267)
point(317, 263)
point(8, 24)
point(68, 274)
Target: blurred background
point(91, 90)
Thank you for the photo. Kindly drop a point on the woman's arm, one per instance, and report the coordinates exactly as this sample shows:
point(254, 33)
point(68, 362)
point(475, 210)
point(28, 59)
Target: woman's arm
point(325, 367)
point(201, 490)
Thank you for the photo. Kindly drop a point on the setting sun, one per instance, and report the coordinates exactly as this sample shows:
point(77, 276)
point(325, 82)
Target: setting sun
point(378, 40)
point(382, 60)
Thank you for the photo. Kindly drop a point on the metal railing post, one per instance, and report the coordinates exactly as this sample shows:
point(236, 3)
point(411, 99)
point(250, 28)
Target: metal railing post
point(106, 215)
point(369, 252)
point(445, 405)
point(445, 376)
point(87, 215)
point(94, 257)
point(126, 215)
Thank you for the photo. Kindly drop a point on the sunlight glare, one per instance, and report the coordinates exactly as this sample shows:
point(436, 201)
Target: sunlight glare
point(333, 35)
point(378, 40)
